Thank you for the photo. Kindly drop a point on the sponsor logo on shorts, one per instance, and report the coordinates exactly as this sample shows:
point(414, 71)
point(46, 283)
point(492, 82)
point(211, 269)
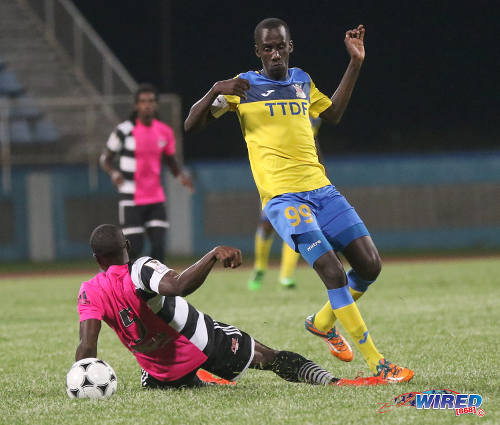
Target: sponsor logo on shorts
point(313, 245)
point(235, 344)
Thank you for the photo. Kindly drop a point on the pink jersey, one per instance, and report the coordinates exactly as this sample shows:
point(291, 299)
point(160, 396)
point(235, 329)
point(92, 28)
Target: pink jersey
point(160, 350)
point(141, 149)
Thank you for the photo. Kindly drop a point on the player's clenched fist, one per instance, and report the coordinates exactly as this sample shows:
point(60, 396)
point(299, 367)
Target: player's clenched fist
point(234, 86)
point(230, 257)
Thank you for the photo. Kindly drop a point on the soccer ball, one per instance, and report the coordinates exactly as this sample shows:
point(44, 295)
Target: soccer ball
point(91, 378)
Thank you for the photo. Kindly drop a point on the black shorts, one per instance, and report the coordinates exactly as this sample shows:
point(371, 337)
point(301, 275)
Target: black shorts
point(136, 218)
point(230, 353)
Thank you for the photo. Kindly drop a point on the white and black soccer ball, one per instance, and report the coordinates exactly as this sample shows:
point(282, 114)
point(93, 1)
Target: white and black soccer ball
point(91, 378)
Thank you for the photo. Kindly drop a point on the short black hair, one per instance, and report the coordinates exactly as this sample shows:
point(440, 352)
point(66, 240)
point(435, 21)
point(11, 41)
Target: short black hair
point(107, 240)
point(269, 23)
point(145, 88)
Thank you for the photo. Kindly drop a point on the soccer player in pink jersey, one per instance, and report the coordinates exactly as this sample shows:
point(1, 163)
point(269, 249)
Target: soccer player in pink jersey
point(141, 144)
point(171, 340)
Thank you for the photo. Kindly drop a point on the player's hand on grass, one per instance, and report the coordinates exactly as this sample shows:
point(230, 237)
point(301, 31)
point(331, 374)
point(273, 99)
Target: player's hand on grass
point(116, 178)
point(234, 86)
point(228, 256)
point(354, 43)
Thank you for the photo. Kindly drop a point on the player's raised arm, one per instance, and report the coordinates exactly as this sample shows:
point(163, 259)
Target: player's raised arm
point(199, 113)
point(175, 284)
point(355, 47)
point(89, 333)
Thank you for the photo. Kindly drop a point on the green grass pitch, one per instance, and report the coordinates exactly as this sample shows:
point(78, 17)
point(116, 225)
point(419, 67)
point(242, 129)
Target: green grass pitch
point(439, 318)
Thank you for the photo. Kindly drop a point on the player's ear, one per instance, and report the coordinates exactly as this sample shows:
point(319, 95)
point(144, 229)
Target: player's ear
point(290, 46)
point(257, 53)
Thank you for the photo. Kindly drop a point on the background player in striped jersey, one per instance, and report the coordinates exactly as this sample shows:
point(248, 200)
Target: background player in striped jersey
point(273, 106)
point(142, 302)
point(141, 144)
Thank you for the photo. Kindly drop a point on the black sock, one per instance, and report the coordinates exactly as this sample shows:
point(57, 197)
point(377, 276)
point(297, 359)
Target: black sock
point(295, 368)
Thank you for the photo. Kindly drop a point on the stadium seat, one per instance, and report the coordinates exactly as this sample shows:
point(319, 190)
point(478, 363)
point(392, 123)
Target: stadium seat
point(20, 132)
point(45, 132)
point(9, 85)
point(24, 107)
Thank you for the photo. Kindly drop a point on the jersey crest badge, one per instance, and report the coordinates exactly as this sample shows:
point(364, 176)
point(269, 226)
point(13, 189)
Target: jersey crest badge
point(156, 266)
point(162, 143)
point(299, 92)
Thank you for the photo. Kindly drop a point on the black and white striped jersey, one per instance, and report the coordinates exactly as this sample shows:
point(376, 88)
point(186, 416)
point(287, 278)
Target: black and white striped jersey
point(122, 141)
point(196, 326)
point(141, 149)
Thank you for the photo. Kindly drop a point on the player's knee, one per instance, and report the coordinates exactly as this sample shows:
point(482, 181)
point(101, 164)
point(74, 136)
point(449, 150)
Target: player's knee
point(372, 266)
point(331, 272)
point(264, 357)
point(266, 228)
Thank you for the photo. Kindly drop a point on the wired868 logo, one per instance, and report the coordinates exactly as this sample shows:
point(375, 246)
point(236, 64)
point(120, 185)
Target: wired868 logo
point(462, 404)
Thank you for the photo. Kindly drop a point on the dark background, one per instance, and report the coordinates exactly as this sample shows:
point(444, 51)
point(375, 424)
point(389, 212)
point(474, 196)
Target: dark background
point(429, 82)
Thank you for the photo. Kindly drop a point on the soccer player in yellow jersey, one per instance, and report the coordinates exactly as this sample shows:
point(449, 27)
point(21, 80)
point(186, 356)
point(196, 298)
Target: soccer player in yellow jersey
point(264, 237)
point(273, 106)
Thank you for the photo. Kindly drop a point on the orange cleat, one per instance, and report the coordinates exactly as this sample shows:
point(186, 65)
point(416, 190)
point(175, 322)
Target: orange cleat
point(393, 373)
point(361, 382)
point(338, 345)
point(211, 379)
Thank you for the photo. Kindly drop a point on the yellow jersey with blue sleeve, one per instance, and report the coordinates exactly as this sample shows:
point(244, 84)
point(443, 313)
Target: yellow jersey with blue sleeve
point(275, 122)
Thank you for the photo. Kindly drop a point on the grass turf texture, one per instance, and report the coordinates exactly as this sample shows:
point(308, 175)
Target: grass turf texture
point(439, 318)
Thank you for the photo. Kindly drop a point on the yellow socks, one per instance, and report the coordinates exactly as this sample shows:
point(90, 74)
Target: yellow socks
point(289, 260)
point(346, 311)
point(324, 319)
point(262, 249)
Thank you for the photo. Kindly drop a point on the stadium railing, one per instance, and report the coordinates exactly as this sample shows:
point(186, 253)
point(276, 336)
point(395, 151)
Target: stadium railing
point(88, 53)
point(71, 130)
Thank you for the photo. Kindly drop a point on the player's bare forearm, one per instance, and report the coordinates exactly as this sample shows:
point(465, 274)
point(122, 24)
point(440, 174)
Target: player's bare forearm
point(177, 171)
point(84, 352)
point(185, 283)
point(106, 161)
point(199, 114)
point(173, 165)
point(342, 95)
point(200, 111)
point(354, 43)
point(89, 333)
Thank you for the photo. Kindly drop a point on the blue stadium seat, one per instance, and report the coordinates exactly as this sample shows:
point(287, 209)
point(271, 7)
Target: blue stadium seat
point(45, 132)
point(9, 85)
point(20, 132)
point(24, 107)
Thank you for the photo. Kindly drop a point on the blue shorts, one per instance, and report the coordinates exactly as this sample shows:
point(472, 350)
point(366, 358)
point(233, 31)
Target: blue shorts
point(321, 218)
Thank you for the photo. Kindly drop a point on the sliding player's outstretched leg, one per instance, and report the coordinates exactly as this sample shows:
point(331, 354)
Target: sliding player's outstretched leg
point(293, 367)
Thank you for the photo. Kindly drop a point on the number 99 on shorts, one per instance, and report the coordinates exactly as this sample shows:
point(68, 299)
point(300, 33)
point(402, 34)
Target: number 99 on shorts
point(296, 215)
